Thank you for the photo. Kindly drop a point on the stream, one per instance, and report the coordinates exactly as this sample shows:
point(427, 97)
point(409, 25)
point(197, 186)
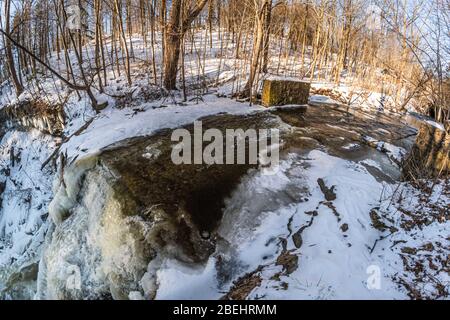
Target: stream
point(119, 216)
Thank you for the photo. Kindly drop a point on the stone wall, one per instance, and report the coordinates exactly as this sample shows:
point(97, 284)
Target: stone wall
point(285, 92)
point(34, 114)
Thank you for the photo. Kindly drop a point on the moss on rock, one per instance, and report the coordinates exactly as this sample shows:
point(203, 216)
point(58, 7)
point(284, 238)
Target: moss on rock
point(284, 92)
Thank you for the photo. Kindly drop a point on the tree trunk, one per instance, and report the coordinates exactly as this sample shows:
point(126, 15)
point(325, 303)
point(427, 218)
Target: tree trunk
point(8, 51)
point(123, 40)
point(267, 21)
point(174, 34)
point(97, 9)
point(172, 46)
point(257, 48)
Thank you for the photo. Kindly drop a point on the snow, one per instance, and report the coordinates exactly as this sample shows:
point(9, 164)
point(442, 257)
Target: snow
point(24, 202)
point(177, 281)
point(421, 216)
point(435, 124)
point(371, 163)
point(351, 146)
point(114, 125)
point(328, 267)
point(332, 264)
point(284, 78)
point(321, 99)
point(395, 153)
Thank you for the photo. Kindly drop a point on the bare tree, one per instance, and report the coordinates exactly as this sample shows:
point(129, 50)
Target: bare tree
point(8, 50)
point(261, 8)
point(176, 28)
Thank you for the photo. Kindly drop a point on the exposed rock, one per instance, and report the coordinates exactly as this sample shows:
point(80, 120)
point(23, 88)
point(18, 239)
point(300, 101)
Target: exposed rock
point(409, 250)
point(284, 92)
point(121, 212)
point(329, 193)
point(337, 127)
point(243, 286)
point(344, 227)
point(23, 281)
point(289, 262)
point(293, 115)
point(333, 209)
point(297, 239)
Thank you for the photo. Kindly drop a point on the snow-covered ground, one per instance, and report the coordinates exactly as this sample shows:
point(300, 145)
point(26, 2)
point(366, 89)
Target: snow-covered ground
point(114, 125)
point(26, 193)
point(337, 252)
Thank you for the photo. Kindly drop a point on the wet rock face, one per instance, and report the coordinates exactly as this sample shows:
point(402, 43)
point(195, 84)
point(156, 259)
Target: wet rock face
point(34, 114)
point(194, 190)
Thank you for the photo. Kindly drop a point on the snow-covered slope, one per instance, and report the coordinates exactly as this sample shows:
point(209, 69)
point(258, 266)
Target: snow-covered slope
point(24, 197)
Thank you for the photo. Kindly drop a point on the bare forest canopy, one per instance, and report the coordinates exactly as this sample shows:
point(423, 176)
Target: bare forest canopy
point(399, 47)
